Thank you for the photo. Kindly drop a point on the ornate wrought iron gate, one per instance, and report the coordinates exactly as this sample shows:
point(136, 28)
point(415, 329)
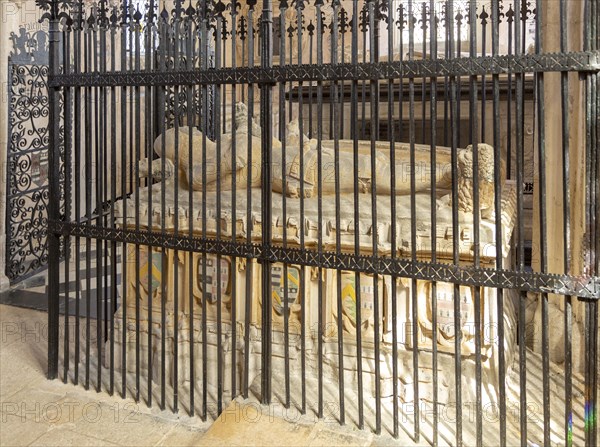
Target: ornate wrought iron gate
point(27, 159)
point(363, 234)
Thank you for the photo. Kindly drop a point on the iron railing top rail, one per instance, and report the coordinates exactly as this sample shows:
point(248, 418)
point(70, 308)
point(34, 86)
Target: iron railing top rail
point(582, 286)
point(581, 61)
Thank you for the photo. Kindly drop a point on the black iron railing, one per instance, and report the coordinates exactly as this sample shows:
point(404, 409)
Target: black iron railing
point(307, 222)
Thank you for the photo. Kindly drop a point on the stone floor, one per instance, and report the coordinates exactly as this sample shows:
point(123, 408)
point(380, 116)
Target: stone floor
point(36, 411)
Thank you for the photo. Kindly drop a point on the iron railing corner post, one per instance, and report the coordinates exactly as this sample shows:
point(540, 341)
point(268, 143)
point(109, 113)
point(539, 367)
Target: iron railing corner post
point(7, 256)
point(54, 193)
point(266, 211)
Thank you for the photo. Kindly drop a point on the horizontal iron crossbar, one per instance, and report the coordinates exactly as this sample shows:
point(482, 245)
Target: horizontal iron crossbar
point(580, 286)
point(530, 63)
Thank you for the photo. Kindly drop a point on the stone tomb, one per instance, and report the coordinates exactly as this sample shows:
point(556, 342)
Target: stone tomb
point(164, 276)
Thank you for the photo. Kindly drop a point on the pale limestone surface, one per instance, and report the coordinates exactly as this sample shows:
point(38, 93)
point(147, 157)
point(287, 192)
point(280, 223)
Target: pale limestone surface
point(36, 411)
point(243, 424)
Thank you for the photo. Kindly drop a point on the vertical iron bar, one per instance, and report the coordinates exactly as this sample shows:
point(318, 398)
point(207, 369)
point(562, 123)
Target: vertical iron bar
point(394, 279)
point(164, 54)
point(153, 128)
point(156, 129)
point(282, 137)
point(539, 78)
point(191, 215)
point(164, 57)
point(88, 208)
point(54, 197)
point(413, 227)
point(433, 173)
point(98, 65)
point(320, 302)
point(498, 219)
point(113, 198)
point(217, 126)
point(123, 170)
point(355, 153)
point(149, 94)
point(249, 261)
point(335, 123)
point(520, 235)
point(374, 96)
point(566, 192)
point(266, 211)
point(67, 188)
point(177, 62)
point(204, 44)
point(299, 18)
point(105, 154)
point(592, 212)
point(474, 138)
point(233, 35)
point(455, 119)
point(77, 146)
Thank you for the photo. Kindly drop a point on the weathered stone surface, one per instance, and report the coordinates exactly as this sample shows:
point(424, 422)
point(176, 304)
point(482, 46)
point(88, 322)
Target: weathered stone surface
point(217, 283)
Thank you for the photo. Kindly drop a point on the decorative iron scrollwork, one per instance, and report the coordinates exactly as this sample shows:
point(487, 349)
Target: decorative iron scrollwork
point(27, 157)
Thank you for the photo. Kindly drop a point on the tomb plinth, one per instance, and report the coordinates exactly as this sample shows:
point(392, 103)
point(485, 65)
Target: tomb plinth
point(204, 287)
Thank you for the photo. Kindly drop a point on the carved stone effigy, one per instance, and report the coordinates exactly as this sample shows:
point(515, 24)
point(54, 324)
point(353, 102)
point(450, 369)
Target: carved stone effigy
point(159, 273)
